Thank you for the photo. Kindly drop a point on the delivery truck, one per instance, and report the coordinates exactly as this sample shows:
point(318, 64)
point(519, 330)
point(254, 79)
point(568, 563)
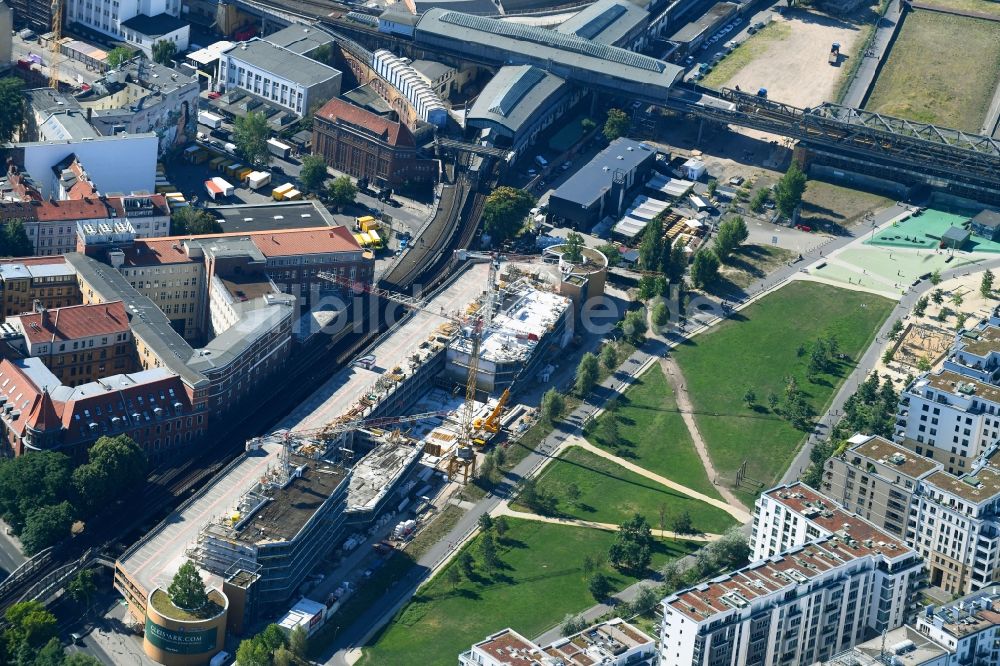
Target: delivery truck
point(279, 149)
point(209, 119)
point(279, 192)
point(258, 179)
point(219, 187)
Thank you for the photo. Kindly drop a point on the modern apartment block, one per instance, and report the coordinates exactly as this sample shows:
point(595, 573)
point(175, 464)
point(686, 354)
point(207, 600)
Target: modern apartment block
point(877, 480)
point(611, 643)
point(79, 343)
point(828, 581)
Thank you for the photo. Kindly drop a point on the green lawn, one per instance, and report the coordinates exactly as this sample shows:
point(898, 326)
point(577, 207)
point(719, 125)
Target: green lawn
point(750, 263)
point(541, 581)
point(758, 348)
point(610, 493)
point(653, 434)
point(989, 7)
point(926, 78)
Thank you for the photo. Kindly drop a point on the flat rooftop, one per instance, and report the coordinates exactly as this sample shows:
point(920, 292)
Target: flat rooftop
point(706, 21)
point(981, 486)
point(282, 62)
point(598, 643)
point(970, 614)
point(152, 562)
point(894, 455)
point(960, 385)
point(594, 179)
point(279, 215)
point(869, 653)
point(981, 342)
point(372, 476)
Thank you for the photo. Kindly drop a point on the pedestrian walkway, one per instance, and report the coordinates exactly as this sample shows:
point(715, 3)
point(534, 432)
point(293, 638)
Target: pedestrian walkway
point(672, 372)
point(864, 76)
point(505, 510)
point(737, 511)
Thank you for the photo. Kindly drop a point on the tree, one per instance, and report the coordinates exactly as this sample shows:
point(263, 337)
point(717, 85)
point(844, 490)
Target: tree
point(83, 586)
point(504, 213)
point(46, 526)
point(164, 51)
point(600, 587)
point(116, 464)
point(712, 186)
point(887, 356)
point(608, 432)
point(645, 600)
point(485, 522)
point(651, 245)
point(897, 328)
point(573, 493)
point(937, 295)
point(586, 374)
point(634, 326)
point(660, 315)
point(587, 125)
point(253, 652)
point(553, 405)
point(920, 307)
point(454, 576)
point(760, 198)
point(609, 356)
point(30, 625)
point(500, 526)
point(632, 549)
point(80, 659)
point(466, 563)
point(616, 125)
point(789, 190)
point(704, 268)
point(298, 642)
point(772, 400)
point(29, 482)
point(187, 589)
point(749, 397)
point(488, 549)
point(678, 263)
point(341, 192)
point(15, 242)
point(572, 624)
point(12, 107)
point(960, 320)
point(573, 248)
point(610, 250)
point(324, 54)
point(250, 134)
point(682, 523)
point(924, 364)
point(194, 222)
point(118, 56)
point(313, 174)
point(986, 285)
point(732, 233)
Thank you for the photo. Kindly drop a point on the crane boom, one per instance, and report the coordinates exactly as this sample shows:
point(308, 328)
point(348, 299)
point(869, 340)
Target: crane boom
point(54, 45)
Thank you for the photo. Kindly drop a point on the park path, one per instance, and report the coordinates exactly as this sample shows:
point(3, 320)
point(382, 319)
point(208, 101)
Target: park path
point(505, 510)
point(737, 510)
point(672, 372)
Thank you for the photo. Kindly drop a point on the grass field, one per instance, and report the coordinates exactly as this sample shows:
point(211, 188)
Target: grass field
point(746, 53)
point(540, 582)
point(990, 7)
point(928, 78)
point(610, 493)
point(758, 349)
point(752, 262)
point(835, 209)
point(653, 434)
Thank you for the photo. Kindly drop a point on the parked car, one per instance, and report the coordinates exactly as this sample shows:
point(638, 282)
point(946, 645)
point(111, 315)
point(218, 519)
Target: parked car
point(214, 95)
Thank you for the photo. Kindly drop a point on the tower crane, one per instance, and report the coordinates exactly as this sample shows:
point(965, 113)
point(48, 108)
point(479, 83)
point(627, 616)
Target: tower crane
point(56, 6)
point(476, 324)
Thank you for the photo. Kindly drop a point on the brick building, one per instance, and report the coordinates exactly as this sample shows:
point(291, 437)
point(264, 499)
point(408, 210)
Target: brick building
point(366, 145)
point(79, 343)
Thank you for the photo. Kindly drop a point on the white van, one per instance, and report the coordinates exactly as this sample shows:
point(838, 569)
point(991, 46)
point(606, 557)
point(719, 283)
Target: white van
point(541, 161)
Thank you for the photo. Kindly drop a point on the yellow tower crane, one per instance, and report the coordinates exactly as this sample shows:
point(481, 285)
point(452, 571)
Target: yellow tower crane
point(54, 44)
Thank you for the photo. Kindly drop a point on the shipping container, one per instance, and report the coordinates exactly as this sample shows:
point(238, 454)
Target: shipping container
point(279, 149)
point(365, 223)
point(227, 189)
point(278, 193)
point(293, 195)
point(258, 179)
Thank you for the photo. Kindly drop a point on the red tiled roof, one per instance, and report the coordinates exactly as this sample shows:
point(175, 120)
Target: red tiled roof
point(21, 392)
point(319, 240)
point(80, 209)
point(156, 251)
point(74, 322)
point(393, 133)
point(43, 414)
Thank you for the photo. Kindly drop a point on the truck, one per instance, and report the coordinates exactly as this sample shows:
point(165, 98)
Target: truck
point(279, 192)
point(541, 161)
point(258, 179)
point(366, 222)
point(217, 187)
point(209, 119)
point(279, 149)
point(834, 53)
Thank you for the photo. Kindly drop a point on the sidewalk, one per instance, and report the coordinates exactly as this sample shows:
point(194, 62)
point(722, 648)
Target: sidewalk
point(505, 510)
point(864, 77)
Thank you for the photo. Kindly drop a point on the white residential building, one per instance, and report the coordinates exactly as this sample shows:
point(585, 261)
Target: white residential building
point(279, 75)
point(968, 627)
point(611, 643)
point(139, 22)
point(838, 581)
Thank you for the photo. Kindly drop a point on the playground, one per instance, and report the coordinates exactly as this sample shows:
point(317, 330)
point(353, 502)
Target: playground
point(924, 231)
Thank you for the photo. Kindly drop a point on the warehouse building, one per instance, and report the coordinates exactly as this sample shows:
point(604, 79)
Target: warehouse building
point(603, 187)
point(612, 22)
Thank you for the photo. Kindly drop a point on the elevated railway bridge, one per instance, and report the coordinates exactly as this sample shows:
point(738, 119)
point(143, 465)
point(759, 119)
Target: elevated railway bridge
point(862, 141)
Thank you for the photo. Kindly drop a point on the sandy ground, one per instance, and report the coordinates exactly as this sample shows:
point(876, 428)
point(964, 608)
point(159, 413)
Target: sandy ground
point(795, 69)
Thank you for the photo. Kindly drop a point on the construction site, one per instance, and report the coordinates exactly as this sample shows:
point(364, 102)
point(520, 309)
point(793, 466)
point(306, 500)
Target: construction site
point(417, 407)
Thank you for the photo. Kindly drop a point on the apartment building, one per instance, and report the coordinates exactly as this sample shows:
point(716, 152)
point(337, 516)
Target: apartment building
point(139, 22)
point(949, 417)
point(611, 643)
point(40, 413)
point(278, 75)
point(844, 581)
point(877, 480)
point(46, 281)
point(78, 343)
point(968, 627)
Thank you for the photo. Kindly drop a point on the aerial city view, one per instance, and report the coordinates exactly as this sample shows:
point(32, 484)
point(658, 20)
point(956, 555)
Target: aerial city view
point(500, 332)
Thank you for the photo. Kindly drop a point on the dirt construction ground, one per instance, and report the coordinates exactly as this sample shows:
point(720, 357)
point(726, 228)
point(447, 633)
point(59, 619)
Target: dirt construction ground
point(792, 64)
